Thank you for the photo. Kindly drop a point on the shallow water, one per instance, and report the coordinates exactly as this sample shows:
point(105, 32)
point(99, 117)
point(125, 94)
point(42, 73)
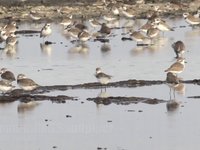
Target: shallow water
point(82, 124)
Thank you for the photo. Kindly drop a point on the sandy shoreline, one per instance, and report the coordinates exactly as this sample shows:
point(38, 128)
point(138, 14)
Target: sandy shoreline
point(54, 13)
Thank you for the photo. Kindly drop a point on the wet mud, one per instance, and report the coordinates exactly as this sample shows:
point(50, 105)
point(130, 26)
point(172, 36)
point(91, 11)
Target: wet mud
point(35, 95)
point(55, 11)
point(125, 100)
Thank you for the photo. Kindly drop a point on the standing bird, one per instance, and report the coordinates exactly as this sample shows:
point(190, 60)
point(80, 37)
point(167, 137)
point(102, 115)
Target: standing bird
point(46, 30)
point(137, 36)
point(128, 12)
point(102, 77)
point(190, 19)
point(153, 32)
point(67, 21)
point(94, 23)
point(7, 75)
point(11, 27)
point(179, 48)
point(162, 26)
point(105, 30)
point(84, 36)
point(26, 83)
point(177, 67)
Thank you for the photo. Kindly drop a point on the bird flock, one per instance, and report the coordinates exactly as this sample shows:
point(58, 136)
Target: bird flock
point(147, 34)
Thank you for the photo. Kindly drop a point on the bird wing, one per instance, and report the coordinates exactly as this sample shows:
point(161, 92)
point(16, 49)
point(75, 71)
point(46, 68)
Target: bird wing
point(103, 75)
point(175, 67)
point(27, 82)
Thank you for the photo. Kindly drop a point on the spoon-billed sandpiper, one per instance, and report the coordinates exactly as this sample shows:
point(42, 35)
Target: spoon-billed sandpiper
point(179, 48)
point(177, 67)
point(26, 83)
point(102, 77)
point(46, 30)
point(7, 75)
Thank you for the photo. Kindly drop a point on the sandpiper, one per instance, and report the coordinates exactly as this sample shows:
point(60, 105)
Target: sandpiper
point(153, 32)
point(105, 30)
point(146, 26)
point(67, 21)
point(26, 83)
point(73, 32)
point(46, 30)
point(84, 36)
point(94, 23)
point(128, 12)
point(177, 67)
point(11, 27)
point(115, 10)
point(137, 36)
point(162, 26)
point(5, 86)
point(109, 17)
point(102, 77)
point(197, 15)
point(34, 15)
point(179, 48)
point(190, 19)
point(79, 25)
point(7, 75)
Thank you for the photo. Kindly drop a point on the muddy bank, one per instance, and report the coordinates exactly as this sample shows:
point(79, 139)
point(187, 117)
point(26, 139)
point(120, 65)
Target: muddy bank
point(125, 100)
point(55, 11)
point(21, 95)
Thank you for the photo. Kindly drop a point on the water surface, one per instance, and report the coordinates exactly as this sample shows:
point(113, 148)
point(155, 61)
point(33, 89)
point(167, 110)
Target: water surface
point(83, 124)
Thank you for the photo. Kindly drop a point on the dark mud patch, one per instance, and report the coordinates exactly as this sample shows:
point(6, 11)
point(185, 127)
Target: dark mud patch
point(125, 100)
point(28, 97)
point(195, 97)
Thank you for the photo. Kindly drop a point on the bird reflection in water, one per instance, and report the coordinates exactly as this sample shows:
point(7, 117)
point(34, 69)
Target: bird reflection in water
point(102, 99)
point(24, 107)
point(174, 84)
point(80, 48)
point(105, 48)
point(46, 49)
point(10, 50)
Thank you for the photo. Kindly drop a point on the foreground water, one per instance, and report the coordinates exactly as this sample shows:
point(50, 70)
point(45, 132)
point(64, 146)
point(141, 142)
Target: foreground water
point(83, 124)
